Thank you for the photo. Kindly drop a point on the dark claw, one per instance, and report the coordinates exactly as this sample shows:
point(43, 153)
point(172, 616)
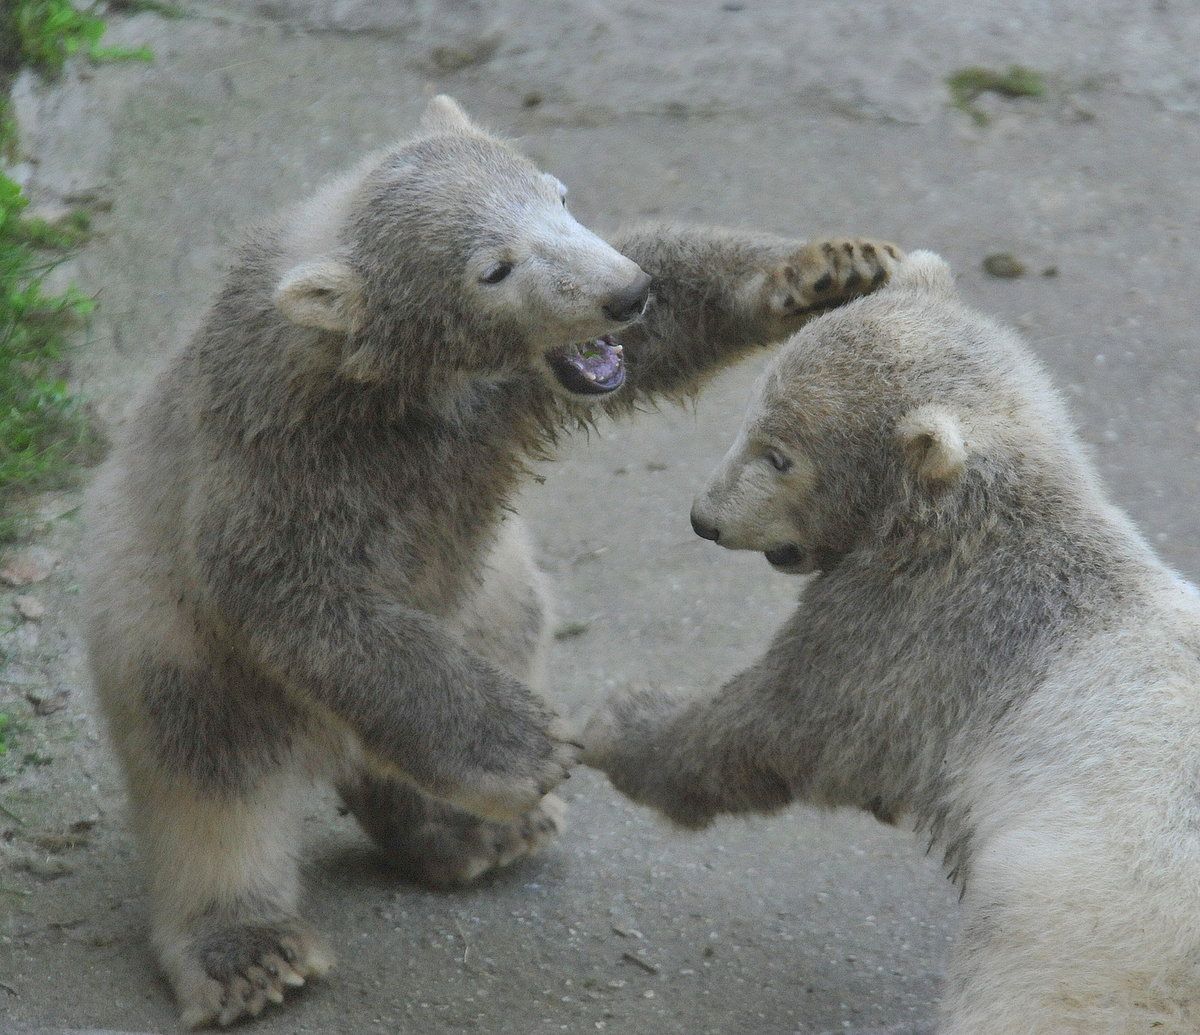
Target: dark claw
point(823, 283)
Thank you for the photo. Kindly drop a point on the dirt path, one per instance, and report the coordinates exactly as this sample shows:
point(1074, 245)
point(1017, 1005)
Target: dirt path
point(826, 117)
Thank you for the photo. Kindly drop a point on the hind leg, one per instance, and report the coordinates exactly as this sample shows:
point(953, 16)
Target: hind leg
point(438, 845)
point(430, 841)
point(224, 890)
point(1060, 937)
point(208, 759)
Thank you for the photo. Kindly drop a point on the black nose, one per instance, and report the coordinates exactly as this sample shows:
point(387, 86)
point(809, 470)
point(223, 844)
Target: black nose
point(705, 530)
point(628, 303)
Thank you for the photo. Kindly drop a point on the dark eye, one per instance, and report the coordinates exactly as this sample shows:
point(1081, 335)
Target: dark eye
point(497, 273)
point(777, 460)
point(564, 200)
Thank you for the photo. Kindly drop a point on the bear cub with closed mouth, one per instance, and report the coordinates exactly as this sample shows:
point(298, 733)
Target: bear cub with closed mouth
point(986, 646)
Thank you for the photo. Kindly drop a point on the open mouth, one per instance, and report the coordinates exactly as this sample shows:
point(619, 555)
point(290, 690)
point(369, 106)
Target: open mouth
point(793, 559)
point(594, 367)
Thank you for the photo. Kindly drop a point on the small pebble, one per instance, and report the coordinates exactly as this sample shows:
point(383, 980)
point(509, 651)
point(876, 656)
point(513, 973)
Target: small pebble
point(29, 608)
point(29, 566)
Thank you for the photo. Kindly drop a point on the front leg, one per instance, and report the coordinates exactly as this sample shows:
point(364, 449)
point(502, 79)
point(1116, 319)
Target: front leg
point(719, 294)
point(424, 707)
point(691, 760)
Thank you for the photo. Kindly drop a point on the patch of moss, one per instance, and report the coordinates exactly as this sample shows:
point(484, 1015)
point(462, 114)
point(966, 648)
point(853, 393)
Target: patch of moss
point(968, 84)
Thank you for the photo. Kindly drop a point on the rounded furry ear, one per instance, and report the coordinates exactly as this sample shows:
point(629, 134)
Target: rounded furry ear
point(443, 115)
point(325, 294)
point(933, 445)
point(923, 271)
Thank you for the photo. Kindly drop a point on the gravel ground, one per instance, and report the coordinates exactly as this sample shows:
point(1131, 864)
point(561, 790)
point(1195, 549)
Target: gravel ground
point(804, 119)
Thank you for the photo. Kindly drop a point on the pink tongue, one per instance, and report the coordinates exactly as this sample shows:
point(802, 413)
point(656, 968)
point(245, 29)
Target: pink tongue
point(597, 358)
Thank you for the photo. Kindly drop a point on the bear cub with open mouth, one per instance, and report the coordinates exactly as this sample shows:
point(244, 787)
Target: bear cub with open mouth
point(305, 563)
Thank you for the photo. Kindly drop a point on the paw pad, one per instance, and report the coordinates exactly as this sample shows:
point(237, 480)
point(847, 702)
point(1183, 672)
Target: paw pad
point(826, 274)
point(233, 973)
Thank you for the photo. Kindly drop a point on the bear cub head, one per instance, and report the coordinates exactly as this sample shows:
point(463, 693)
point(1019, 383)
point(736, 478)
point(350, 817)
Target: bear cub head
point(898, 413)
point(452, 256)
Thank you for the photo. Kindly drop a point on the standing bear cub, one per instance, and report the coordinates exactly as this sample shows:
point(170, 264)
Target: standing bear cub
point(305, 564)
point(987, 646)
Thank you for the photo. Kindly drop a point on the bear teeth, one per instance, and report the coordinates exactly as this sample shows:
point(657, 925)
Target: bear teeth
point(589, 368)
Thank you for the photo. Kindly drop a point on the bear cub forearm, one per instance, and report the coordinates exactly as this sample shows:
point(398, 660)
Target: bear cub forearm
point(426, 708)
point(671, 755)
point(719, 293)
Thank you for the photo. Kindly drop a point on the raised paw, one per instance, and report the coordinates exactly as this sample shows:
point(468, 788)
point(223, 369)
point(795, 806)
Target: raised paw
point(825, 274)
point(227, 973)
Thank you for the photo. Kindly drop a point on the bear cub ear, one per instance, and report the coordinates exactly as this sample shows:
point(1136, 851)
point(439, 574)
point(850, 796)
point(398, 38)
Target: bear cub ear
point(443, 115)
point(324, 293)
point(923, 271)
point(932, 441)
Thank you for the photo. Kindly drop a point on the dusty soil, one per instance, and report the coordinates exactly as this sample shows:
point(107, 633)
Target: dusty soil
point(824, 117)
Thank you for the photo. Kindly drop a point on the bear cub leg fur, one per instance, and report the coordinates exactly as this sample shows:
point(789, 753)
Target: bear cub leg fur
point(506, 621)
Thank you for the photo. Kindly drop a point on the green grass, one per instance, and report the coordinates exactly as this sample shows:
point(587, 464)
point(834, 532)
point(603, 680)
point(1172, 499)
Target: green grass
point(44, 34)
point(8, 128)
point(42, 430)
point(42, 427)
point(68, 233)
point(968, 84)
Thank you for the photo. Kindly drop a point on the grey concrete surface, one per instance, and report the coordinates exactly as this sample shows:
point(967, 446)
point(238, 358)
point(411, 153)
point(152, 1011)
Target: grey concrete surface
point(823, 117)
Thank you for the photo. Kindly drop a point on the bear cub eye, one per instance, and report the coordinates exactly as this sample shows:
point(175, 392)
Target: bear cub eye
point(777, 460)
point(496, 273)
